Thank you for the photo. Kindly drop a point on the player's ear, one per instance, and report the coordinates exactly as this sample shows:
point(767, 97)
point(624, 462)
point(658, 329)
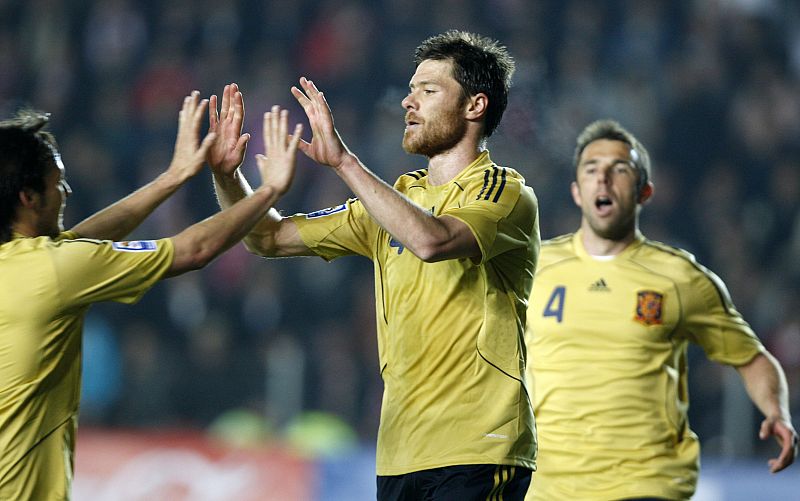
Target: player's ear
point(576, 193)
point(646, 192)
point(476, 106)
point(29, 198)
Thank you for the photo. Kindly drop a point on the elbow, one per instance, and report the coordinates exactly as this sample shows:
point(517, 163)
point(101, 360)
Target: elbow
point(200, 258)
point(433, 250)
point(427, 254)
point(186, 261)
point(259, 247)
point(429, 251)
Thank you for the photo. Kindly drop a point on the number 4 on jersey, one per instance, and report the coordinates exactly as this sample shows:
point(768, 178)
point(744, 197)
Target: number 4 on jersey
point(555, 305)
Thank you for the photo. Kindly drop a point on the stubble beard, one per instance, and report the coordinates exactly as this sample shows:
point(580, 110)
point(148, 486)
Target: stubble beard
point(437, 135)
point(615, 229)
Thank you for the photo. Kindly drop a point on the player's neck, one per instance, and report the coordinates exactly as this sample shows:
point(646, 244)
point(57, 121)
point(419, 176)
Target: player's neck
point(445, 166)
point(596, 245)
point(25, 224)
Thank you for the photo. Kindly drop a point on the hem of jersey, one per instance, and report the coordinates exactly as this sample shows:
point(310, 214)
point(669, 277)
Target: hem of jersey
point(402, 470)
point(644, 493)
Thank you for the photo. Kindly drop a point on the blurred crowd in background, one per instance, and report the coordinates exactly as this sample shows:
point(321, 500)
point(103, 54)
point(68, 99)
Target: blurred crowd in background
point(711, 87)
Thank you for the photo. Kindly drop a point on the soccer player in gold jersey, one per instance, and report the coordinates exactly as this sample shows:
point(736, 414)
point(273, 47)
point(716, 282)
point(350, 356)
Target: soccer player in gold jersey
point(51, 277)
point(454, 247)
point(609, 321)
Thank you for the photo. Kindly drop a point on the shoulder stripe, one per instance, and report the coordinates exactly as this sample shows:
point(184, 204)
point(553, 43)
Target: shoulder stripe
point(502, 186)
point(418, 174)
point(494, 182)
point(485, 183)
point(84, 240)
point(724, 297)
point(486, 194)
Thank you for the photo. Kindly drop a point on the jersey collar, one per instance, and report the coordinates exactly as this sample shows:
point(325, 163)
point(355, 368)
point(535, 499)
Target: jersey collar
point(580, 250)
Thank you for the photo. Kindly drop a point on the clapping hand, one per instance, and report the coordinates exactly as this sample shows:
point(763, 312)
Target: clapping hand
point(277, 166)
point(228, 150)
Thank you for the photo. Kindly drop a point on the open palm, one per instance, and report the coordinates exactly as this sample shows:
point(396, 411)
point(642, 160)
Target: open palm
point(190, 154)
point(227, 152)
point(277, 166)
point(326, 146)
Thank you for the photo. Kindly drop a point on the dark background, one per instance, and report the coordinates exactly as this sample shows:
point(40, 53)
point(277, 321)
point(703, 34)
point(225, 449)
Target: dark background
point(710, 87)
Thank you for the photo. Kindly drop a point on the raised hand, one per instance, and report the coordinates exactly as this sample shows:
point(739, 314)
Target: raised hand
point(189, 156)
point(227, 152)
point(326, 146)
point(277, 167)
point(122, 217)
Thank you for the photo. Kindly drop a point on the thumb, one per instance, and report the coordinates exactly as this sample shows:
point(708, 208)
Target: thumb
point(261, 161)
point(766, 429)
point(206, 144)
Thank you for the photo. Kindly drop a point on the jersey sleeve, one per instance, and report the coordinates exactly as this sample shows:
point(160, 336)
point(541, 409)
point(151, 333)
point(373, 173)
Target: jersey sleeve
point(502, 216)
point(90, 270)
point(343, 230)
point(713, 322)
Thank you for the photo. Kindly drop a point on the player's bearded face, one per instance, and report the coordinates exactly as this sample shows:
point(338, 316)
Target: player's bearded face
point(435, 120)
point(436, 133)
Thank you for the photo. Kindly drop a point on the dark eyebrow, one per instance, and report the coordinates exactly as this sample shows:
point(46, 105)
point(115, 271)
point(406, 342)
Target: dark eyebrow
point(421, 83)
point(590, 161)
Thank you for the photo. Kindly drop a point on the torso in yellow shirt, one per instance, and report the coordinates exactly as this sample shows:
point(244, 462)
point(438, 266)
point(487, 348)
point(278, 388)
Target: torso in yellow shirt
point(607, 340)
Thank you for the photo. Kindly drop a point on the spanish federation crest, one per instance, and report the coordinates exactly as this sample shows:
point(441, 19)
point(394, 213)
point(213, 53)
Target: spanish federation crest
point(649, 308)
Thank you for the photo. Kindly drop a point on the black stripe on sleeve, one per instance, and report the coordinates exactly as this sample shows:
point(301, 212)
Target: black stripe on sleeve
point(417, 174)
point(494, 183)
point(485, 183)
point(500, 189)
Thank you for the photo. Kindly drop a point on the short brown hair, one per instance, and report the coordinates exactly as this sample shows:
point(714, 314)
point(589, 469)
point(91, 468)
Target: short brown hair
point(612, 130)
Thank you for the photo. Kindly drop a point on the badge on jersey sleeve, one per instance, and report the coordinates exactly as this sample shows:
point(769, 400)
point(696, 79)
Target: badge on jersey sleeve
point(649, 306)
point(135, 246)
point(326, 212)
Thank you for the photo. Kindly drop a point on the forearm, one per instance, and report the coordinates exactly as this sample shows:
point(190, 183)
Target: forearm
point(263, 238)
point(428, 237)
point(766, 385)
point(120, 218)
point(231, 189)
point(197, 245)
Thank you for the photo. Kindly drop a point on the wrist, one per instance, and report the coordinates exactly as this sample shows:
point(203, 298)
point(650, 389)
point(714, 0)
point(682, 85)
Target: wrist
point(348, 163)
point(266, 192)
point(227, 178)
point(170, 180)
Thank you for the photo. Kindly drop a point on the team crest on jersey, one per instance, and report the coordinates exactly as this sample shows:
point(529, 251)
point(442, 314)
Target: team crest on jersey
point(326, 212)
point(649, 308)
point(135, 246)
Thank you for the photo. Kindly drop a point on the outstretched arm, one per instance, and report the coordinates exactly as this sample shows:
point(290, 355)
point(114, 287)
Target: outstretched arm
point(226, 154)
point(120, 218)
point(272, 235)
point(197, 245)
point(766, 385)
point(429, 237)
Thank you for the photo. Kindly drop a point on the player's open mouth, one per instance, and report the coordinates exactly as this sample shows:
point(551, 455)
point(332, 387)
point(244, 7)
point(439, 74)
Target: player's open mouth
point(603, 204)
point(602, 201)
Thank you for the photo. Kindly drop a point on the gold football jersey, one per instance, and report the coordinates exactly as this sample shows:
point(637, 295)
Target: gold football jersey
point(450, 333)
point(47, 287)
point(607, 341)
